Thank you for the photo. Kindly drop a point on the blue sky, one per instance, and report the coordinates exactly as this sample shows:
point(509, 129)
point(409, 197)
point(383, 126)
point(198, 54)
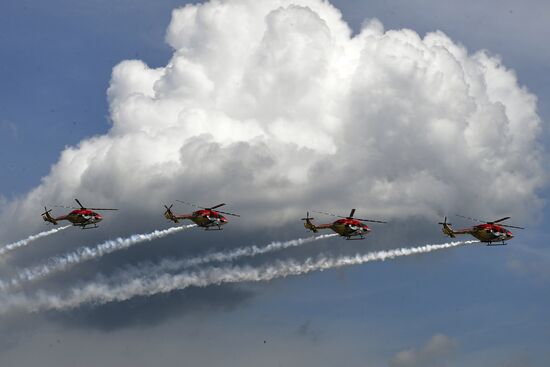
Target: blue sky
point(66, 52)
point(490, 303)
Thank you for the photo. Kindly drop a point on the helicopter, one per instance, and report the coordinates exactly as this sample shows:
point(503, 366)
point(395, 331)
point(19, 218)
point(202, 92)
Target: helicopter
point(81, 217)
point(207, 218)
point(487, 232)
point(348, 227)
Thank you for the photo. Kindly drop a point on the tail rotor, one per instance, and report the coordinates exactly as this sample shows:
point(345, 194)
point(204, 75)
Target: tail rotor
point(447, 230)
point(168, 214)
point(309, 224)
point(444, 223)
point(47, 217)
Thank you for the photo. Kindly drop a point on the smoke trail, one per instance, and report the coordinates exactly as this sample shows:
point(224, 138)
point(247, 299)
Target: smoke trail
point(246, 251)
point(222, 256)
point(101, 293)
point(82, 254)
point(26, 241)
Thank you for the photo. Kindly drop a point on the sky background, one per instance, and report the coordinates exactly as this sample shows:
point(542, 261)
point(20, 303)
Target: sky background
point(473, 306)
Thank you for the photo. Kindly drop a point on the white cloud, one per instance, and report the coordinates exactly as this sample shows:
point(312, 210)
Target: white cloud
point(273, 104)
point(438, 348)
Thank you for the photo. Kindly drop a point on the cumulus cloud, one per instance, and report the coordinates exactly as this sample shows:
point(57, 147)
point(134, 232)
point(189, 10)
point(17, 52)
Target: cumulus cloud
point(438, 348)
point(276, 105)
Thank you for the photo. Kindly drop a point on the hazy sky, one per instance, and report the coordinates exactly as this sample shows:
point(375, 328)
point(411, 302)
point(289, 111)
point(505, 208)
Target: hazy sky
point(275, 109)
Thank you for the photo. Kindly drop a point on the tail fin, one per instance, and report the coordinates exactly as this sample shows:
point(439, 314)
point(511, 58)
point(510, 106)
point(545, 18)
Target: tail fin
point(47, 217)
point(169, 215)
point(447, 230)
point(309, 224)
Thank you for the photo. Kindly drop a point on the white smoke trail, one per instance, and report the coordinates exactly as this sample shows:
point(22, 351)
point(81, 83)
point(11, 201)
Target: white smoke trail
point(101, 293)
point(82, 254)
point(26, 241)
point(167, 265)
point(250, 251)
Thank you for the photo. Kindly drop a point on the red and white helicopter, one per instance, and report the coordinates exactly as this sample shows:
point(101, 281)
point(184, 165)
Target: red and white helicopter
point(487, 232)
point(81, 217)
point(208, 218)
point(347, 227)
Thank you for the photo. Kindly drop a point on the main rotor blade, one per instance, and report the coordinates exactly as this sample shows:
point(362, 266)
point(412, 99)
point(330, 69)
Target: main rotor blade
point(191, 204)
point(470, 218)
point(509, 226)
point(216, 206)
point(485, 221)
point(370, 220)
point(64, 206)
point(500, 220)
point(351, 213)
point(332, 215)
point(81, 207)
point(233, 214)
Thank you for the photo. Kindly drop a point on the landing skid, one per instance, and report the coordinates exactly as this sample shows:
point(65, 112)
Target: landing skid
point(94, 227)
point(354, 239)
point(497, 244)
point(213, 229)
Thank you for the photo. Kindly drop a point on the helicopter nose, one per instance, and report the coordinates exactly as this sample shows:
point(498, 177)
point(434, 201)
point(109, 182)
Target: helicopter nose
point(98, 218)
point(509, 235)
